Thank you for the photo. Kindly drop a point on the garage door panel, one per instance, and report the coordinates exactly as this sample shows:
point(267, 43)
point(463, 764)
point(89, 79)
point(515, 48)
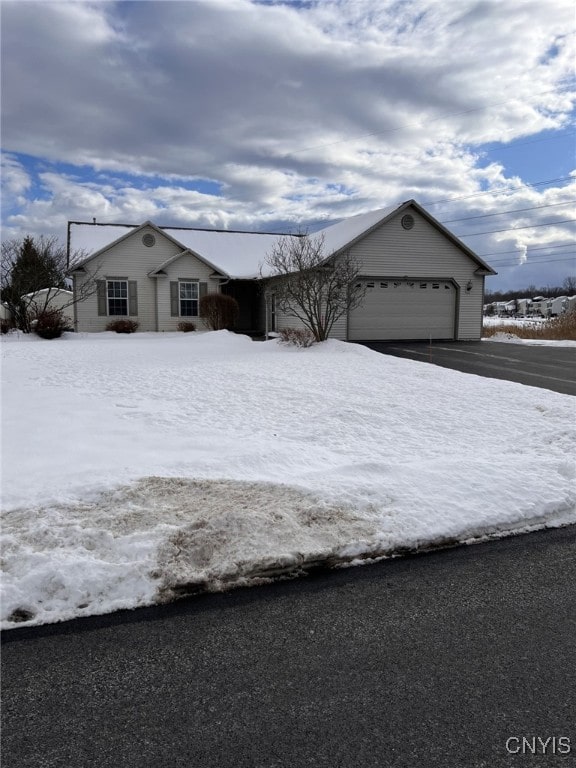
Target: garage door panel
point(405, 309)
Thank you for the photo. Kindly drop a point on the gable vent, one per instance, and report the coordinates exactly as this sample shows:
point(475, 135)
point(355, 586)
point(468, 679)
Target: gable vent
point(407, 221)
point(148, 239)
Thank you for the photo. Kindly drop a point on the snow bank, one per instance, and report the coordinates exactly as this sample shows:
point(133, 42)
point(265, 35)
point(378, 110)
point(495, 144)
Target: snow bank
point(138, 468)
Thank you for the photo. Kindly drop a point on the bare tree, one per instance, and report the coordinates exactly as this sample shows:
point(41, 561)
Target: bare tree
point(31, 265)
point(313, 288)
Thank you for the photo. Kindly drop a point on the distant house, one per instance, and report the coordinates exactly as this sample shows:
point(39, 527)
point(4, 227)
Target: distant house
point(524, 307)
point(539, 306)
point(48, 299)
point(421, 281)
point(570, 304)
point(556, 306)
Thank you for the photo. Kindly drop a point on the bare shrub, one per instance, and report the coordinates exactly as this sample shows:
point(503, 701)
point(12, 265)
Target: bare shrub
point(186, 326)
point(219, 311)
point(311, 285)
point(297, 337)
point(50, 324)
point(5, 326)
point(123, 326)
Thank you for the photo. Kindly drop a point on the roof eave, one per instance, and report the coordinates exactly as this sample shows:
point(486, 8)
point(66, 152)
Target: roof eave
point(159, 271)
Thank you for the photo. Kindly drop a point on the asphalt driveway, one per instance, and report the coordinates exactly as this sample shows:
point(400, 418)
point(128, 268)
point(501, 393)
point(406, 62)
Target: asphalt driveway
point(548, 367)
point(444, 660)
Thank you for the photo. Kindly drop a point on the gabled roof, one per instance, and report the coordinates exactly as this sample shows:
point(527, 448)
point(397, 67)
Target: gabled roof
point(236, 254)
point(242, 254)
point(233, 254)
point(343, 235)
point(159, 270)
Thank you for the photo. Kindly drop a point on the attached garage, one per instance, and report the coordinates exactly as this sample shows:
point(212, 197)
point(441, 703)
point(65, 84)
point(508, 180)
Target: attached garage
point(402, 309)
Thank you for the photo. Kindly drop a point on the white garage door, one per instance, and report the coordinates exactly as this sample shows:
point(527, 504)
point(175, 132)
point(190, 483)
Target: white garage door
point(404, 309)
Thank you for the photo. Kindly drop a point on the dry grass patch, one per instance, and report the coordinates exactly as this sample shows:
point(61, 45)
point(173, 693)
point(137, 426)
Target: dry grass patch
point(562, 328)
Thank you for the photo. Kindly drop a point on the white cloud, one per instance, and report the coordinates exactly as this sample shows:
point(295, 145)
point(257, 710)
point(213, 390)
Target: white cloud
point(298, 113)
point(15, 179)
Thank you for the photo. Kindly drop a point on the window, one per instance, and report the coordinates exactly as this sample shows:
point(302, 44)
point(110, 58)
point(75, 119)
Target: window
point(188, 295)
point(117, 297)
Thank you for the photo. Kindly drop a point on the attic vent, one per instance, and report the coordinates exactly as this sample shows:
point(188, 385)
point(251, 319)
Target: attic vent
point(148, 239)
point(407, 221)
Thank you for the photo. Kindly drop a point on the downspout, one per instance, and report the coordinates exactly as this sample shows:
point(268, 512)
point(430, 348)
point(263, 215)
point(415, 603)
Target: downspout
point(68, 247)
point(156, 316)
point(75, 305)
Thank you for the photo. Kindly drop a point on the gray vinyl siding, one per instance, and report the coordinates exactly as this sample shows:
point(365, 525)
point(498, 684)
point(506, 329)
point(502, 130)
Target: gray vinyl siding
point(186, 268)
point(424, 251)
point(132, 260)
point(285, 320)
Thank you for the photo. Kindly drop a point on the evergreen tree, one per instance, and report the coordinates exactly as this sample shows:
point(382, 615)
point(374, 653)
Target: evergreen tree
point(28, 266)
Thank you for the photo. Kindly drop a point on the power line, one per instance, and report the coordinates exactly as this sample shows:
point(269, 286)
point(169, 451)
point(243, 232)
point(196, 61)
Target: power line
point(527, 143)
point(514, 229)
point(517, 210)
point(540, 258)
point(498, 192)
point(537, 248)
point(552, 261)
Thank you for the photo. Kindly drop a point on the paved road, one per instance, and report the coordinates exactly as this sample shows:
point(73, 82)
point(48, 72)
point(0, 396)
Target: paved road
point(538, 366)
point(431, 661)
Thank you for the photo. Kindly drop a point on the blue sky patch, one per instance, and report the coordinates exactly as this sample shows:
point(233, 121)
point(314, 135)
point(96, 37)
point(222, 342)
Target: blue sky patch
point(550, 155)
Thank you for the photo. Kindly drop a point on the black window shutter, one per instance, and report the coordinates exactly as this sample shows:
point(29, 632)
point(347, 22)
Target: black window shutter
point(101, 294)
point(174, 299)
point(132, 297)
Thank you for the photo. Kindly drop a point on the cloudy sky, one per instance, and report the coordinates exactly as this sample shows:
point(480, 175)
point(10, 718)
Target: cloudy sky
point(276, 116)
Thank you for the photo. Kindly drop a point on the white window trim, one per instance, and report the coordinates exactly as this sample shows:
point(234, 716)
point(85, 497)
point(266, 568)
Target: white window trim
point(181, 282)
point(117, 298)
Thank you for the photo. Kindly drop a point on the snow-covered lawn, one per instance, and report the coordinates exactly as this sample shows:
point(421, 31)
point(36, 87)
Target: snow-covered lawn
point(139, 467)
point(519, 321)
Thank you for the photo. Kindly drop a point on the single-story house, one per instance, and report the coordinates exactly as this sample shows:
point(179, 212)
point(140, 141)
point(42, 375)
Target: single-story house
point(421, 281)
